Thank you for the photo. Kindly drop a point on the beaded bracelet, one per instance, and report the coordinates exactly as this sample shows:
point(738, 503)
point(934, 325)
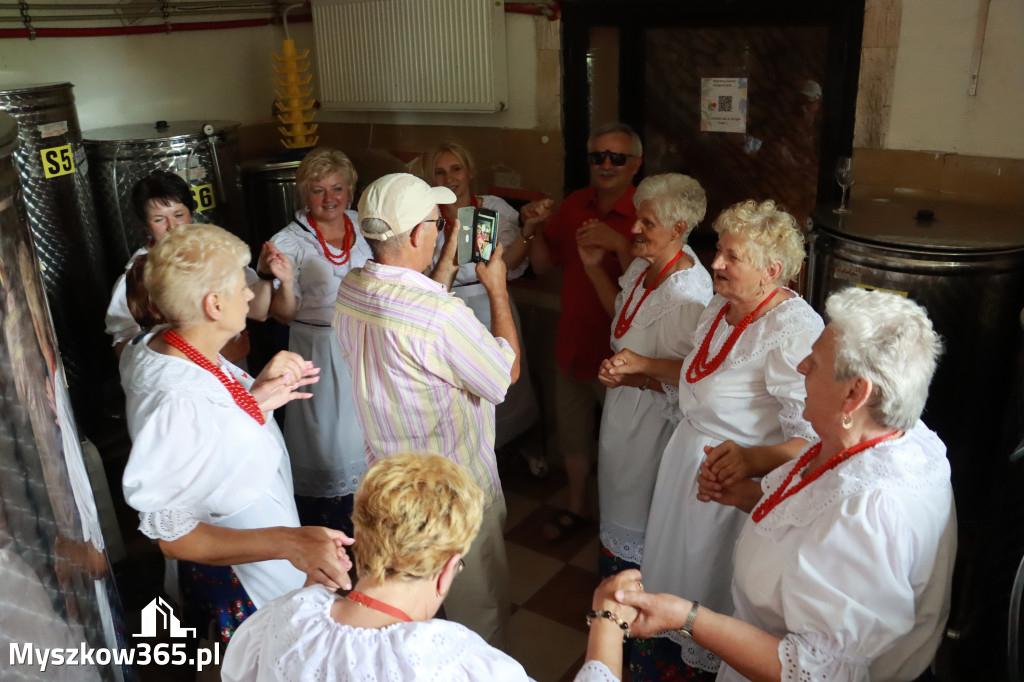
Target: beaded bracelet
point(623, 625)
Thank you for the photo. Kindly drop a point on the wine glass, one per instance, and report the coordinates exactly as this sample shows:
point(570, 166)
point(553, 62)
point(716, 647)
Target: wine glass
point(844, 176)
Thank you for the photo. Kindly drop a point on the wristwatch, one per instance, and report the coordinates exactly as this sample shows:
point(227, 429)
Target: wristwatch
point(687, 629)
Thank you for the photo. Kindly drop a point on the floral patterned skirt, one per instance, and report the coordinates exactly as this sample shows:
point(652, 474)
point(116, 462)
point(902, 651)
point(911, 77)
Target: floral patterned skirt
point(213, 593)
point(659, 658)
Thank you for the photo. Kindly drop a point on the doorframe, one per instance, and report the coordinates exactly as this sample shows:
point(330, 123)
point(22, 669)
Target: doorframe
point(844, 20)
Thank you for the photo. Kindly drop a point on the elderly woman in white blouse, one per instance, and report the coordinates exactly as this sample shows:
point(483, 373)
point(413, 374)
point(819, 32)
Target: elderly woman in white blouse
point(654, 311)
point(844, 567)
point(740, 396)
point(208, 470)
point(415, 518)
point(323, 244)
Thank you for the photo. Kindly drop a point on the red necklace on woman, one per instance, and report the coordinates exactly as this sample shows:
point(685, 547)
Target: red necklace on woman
point(242, 397)
point(347, 244)
point(623, 324)
point(377, 605)
point(782, 493)
point(699, 366)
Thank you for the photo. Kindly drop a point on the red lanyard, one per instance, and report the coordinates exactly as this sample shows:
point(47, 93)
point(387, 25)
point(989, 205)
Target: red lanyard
point(782, 493)
point(349, 241)
point(624, 323)
point(378, 605)
point(699, 366)
point(241, 396)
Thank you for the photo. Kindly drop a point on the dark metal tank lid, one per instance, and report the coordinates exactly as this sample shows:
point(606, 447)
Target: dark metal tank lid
point(25, 88)
point(927, 226)
point(8, 134)
point(158, 130)
point(268, 166)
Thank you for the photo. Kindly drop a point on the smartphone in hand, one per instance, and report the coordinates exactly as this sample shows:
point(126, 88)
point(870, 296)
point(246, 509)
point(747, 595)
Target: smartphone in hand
point(485, 233)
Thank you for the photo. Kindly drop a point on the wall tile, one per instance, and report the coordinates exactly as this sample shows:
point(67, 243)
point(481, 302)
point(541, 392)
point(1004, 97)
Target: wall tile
point(987, 179)
point(896, 168)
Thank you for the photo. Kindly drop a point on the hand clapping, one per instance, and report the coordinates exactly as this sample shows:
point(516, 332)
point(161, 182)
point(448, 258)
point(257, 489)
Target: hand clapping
point(276, 385)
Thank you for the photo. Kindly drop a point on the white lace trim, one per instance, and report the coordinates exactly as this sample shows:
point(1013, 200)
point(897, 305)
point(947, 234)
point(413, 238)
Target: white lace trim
point(304, 640)
point(596, 671)
point(668, 403)
point(792, 421)
point(693, 654)
point(318, 484)
point(806, 659)
point(792, 317)
point(683, 286)
point(626, 544)
point(170, 524)
point(917, 461)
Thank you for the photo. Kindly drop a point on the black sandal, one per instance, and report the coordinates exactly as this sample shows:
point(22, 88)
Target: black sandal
point(563, 525)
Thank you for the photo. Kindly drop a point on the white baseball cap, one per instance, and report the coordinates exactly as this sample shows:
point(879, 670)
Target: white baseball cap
point(811, 90)
point(401, 200)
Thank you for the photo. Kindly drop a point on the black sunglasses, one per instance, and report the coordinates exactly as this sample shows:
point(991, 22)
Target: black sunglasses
point(441, 222)
point(617, 158)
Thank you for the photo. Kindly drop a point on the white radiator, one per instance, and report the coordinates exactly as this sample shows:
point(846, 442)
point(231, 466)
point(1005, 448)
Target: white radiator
point(411, 55)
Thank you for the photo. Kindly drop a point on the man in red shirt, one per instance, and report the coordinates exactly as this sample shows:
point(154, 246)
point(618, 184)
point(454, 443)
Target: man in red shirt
point(597, 216)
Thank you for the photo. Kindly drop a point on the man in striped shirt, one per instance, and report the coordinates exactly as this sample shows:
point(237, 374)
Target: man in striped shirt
point(426, 374)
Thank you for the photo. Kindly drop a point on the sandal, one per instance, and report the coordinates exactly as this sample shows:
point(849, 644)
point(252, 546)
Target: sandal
point(563, 525)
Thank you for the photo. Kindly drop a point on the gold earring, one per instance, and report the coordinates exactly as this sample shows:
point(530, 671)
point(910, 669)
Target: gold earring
point(847, 421)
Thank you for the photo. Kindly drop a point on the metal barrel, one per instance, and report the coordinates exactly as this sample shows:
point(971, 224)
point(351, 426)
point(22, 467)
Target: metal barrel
point(204, 153)
point(966, 267)
point(268, 187)
point(53, 171)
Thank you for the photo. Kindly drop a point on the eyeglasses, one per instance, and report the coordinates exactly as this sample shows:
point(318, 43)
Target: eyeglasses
point(617, 158)
point(441, 222)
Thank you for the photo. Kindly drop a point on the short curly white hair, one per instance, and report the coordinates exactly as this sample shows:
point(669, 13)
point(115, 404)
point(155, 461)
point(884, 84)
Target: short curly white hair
point(189, 263)
point(673, 197)
point(889, 340)
point(770, 234)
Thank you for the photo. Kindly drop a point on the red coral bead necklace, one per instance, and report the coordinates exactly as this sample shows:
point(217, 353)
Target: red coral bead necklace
point(348, 242)
point(784, 491)
point(699, 366)
point(623, 324)
point(241, 396)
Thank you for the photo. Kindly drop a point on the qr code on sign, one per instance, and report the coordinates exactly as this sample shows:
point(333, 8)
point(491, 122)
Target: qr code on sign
point(725, 102)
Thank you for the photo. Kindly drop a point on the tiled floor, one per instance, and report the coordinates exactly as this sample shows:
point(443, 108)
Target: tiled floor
point(551, 584)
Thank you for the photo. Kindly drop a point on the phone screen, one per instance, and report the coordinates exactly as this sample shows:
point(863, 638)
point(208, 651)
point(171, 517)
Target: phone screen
point(485, 231)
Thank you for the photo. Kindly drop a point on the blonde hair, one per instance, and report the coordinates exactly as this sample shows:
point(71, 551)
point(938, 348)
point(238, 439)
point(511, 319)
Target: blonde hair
point(770, 234)
point(673, 198)
point(456, 148)
point(413, 512)
point(320, 163)
point(189, 263)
